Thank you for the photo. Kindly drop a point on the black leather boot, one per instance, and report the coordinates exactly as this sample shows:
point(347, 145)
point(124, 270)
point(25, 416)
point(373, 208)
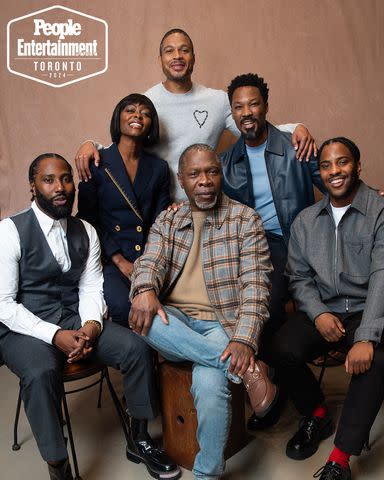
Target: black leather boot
point(141, 449)
point(60, 472)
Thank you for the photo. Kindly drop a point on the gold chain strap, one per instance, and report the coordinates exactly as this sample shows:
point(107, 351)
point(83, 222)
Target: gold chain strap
point(125, 196)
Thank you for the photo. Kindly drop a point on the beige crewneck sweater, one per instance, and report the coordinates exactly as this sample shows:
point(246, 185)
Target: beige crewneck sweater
point(190, 293)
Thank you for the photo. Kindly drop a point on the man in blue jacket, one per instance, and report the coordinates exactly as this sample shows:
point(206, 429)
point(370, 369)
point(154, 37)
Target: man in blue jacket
point(262, 171)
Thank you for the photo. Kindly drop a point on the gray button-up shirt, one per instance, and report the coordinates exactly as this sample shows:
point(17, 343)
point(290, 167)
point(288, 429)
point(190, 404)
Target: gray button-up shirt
point(344, 273)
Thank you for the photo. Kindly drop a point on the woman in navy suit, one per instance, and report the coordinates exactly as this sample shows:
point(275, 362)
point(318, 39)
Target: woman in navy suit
point(124, 196)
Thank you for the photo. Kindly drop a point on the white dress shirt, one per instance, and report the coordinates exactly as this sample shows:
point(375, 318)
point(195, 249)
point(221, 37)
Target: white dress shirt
point(91, 300)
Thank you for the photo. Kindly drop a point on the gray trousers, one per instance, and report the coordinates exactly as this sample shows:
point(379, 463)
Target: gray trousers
point(39, 366)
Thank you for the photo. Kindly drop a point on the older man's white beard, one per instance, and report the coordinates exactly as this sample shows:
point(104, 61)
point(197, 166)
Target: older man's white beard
point(206, 206)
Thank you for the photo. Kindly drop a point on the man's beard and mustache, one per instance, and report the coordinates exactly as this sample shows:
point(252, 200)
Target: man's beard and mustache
point(56, 211)
point(204, 205)
point(353, 184)
point(253, 134)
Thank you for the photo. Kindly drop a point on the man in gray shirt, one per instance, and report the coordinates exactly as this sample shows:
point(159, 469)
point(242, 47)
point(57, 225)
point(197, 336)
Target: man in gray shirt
point(336, 272)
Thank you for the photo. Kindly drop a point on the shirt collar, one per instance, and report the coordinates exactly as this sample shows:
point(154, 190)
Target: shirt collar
point(46, 223)
point(359, 203)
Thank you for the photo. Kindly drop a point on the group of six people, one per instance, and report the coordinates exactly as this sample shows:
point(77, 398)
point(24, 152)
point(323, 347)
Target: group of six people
point(204, 280)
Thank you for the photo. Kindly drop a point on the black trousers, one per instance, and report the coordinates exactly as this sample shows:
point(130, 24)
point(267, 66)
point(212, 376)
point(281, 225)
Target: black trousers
point(116, 292)
point(279, 294)
point(298, 342)
point(39, 366)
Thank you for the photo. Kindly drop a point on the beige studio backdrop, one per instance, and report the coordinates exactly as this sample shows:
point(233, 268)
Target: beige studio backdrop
point(323, 60)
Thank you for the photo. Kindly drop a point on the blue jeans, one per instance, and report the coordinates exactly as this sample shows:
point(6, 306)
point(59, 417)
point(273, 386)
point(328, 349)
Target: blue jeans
point(202, 343)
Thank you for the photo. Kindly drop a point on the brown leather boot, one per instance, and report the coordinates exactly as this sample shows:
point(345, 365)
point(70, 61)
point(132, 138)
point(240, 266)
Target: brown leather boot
point(60, 472)
point(261, 391)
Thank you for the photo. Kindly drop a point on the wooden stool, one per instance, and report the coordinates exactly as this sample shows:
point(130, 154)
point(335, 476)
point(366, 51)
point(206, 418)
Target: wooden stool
point(180, 419)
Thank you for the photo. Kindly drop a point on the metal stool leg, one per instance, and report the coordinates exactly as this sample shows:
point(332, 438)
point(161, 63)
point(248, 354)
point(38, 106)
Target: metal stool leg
point(322, 371)
point(16, 445)
point(119, 409)
point(102, 376)
point(71, 442)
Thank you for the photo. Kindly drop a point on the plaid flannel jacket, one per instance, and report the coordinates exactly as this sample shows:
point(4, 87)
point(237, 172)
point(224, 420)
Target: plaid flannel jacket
point(236, 264)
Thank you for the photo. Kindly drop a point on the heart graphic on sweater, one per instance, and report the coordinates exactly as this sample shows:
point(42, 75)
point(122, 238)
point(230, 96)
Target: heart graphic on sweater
point(200, 117)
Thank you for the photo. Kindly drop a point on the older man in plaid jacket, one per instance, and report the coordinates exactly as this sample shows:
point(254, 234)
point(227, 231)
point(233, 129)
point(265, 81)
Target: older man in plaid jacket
point(208, 264)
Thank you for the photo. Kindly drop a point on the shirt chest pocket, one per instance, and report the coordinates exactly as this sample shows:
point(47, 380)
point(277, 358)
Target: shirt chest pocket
point(357, 255)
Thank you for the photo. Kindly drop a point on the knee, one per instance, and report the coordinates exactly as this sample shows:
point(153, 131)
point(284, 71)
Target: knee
point(210, 387)
point(135, 351)
point(283, 351)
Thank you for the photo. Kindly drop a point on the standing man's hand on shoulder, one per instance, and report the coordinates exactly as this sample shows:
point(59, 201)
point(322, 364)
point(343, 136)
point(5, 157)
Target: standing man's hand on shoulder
point(304, 143)
point(359, 358)
point(83, 157)
point(330, 327)
point(144, 307)
point(242, 357)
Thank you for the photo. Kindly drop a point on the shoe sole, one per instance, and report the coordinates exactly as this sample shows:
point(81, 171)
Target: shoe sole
point(173, 475)
point(296, 455)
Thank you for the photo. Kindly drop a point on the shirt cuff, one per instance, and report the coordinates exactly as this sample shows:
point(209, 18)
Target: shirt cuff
point(315, 310)
point(368, 333)
point(45, 331)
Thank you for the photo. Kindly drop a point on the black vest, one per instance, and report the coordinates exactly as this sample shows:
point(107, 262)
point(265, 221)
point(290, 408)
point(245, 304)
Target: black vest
point(43, 288)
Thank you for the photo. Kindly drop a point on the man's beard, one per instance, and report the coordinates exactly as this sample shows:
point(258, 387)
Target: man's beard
point(206, 206)
point(56, 211)
point(254, 135)
point(354, 183)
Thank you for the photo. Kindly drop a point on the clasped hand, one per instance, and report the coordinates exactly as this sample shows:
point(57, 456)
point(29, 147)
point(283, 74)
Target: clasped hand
point(76, 344)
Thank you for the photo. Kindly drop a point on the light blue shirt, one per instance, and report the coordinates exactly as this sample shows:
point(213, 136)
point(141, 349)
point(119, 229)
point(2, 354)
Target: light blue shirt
point(264, 204)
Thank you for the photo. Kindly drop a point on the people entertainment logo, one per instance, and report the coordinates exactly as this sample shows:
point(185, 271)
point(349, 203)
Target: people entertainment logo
point(57, 46)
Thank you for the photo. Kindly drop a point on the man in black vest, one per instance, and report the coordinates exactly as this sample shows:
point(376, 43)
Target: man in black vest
point(51, 312)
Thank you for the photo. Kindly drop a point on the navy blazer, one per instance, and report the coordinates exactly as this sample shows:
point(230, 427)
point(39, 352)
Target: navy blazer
point(122, 212)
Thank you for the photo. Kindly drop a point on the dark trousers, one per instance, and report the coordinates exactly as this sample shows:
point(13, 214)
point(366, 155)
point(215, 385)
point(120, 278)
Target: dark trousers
point(279, 294)
point(116, 292)
point(298, 342)
point(39, 366)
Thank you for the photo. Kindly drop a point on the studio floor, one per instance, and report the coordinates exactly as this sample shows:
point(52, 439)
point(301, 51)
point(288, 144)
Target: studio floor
point(101, 453)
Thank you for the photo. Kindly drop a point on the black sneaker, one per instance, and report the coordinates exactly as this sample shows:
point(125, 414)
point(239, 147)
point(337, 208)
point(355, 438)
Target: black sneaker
point(306, 440)
point(333, 471)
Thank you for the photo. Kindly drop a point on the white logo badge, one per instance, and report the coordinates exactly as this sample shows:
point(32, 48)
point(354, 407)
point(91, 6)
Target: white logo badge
point(57, 46)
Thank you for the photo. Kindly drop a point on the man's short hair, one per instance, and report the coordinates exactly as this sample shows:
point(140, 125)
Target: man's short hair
point(196, 147)
point(352, 147)
point(171, 32)
point(36, 162)
point(153, 134)
point(248, 80)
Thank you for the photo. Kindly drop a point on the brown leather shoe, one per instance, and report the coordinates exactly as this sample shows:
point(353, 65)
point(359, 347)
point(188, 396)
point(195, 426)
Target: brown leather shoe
point(261, 391)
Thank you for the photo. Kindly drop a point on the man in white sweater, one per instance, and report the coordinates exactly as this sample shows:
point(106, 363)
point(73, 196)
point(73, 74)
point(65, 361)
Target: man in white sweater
point(188, 113)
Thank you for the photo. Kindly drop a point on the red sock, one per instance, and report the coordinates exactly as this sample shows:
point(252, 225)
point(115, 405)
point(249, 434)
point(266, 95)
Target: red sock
point(339, 457)
point(320, 411)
